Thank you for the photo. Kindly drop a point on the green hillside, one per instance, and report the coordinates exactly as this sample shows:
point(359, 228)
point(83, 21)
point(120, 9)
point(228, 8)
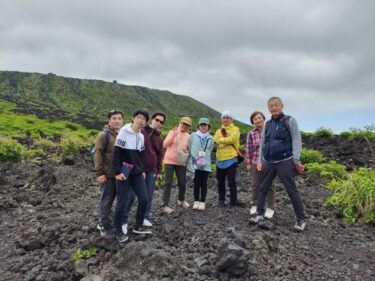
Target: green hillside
point(86, 102)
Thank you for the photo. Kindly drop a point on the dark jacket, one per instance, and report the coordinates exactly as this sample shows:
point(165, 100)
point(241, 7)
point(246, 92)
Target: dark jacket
point(103, 159)
point(277, 141)
point(129, 148)
point(154, 151)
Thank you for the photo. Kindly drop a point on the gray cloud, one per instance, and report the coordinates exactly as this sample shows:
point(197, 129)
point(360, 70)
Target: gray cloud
point(318, 56)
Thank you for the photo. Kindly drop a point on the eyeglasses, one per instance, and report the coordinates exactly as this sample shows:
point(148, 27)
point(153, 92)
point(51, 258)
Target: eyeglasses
point(158, 120)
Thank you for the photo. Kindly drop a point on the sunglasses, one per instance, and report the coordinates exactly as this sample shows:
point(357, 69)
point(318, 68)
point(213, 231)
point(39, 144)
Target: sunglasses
point(158, 120)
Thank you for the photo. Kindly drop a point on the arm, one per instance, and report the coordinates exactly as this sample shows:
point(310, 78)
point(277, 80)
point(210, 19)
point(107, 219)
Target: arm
point(232, 139)
point(170, 138)
point(99, 157)
point(262, 137)
point(159, 153)
point(296, 140)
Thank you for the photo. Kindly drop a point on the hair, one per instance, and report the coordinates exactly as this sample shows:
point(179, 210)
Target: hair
point(255, 113)
point(114, 112)
point(140, 111)
point(274, 98)
point(159, 113)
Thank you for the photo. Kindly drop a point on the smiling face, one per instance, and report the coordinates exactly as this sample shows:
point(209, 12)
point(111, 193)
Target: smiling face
point(204, 128)
point(275, 107)
point(226, 120)
point(258, 121)
point(116, 122)
point(139, 121)
point(157, 122)
point(184, 127)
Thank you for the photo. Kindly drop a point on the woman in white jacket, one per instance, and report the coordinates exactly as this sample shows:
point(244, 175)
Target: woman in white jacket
point(200, 146)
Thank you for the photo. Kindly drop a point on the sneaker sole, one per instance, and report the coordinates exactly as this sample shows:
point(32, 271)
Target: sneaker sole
point(142, 232)
point(123, 240)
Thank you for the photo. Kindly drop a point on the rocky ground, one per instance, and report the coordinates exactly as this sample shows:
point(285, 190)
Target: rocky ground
point(49, 209)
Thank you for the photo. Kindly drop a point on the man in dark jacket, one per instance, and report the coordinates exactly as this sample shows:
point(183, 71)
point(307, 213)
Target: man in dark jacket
point(153, 158)
point(103, 167)
point(280, 151)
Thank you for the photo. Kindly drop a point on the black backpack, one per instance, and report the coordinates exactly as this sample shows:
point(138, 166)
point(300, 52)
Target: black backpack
point(93, 148)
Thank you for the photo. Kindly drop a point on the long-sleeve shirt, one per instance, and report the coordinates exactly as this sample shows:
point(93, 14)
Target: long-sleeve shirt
point(252, 146)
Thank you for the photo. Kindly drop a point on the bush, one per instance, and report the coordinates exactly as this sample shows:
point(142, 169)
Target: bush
point(346, 135)
point(355, 196)
point(10, 150)
point(311, 156)
point(45, 143)
point(86, 254)
point(324, 133)
point(70, 145)
point(29, 154)
point(327, 171)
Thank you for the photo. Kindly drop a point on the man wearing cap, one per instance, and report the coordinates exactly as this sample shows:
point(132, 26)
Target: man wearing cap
point(200, 147)
point(175, 159)
point(227, 139)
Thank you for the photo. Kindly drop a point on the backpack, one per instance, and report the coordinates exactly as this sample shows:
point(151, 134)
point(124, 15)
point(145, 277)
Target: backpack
point(93, 148)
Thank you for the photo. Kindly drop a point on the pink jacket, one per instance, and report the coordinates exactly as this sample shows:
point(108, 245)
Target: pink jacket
point(170, 143)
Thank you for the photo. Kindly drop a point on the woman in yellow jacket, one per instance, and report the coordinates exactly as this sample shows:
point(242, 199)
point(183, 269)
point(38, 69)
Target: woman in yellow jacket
point(227, 139)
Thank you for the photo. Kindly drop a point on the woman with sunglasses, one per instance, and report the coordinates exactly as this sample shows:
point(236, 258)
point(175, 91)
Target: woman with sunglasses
point(175, 159)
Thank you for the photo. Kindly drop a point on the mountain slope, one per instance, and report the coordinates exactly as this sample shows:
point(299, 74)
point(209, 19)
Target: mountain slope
point(86, 102)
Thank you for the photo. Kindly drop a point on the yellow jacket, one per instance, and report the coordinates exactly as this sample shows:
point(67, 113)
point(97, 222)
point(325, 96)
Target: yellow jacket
point(225, 150)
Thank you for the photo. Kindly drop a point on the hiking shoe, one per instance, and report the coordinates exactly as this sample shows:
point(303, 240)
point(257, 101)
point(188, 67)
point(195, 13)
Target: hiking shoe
point(201, 206)
point(124, 228)
point(141, 230)
point(121, 237)
point(269, 213)
point(168, 210)
point(147, 223)
point(300, 225)
point(196, 205)
point(220, 203)
point(253, 210)
point(105, 229)
point(236, 204)
point(256, 219)
point(184, 204)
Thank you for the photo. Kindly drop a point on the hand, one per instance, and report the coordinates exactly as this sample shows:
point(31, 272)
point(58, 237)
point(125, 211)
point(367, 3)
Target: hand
point(300, 168)
point(159, 177)
point(248, 167)
point(144, 175)
point(102, 179)
point(120, 177)
point(259, 167)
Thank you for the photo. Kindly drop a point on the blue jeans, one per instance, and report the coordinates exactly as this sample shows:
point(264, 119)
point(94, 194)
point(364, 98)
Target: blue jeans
point(150, 184)
point(123, 192)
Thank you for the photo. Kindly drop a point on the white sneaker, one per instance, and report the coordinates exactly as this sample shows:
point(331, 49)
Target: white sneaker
point(253, 210)
point(124, 228)
point(147, 223)
point(269, 213)
point(196, 205)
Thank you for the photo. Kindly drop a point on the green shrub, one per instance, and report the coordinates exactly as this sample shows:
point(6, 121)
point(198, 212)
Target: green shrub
point(29, 154)
point(355, 196)
point(368, 132)
point(324, 133)
point(45, 143)
point(327, 171)
point(311, 156)
point(71, 126)
point(346, 135)
point(79, 254)
point(242, 148)
point(70, 145)
point(10, 150)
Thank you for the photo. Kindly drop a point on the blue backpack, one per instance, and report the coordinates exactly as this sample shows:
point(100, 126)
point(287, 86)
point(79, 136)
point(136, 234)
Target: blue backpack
point(93, 148)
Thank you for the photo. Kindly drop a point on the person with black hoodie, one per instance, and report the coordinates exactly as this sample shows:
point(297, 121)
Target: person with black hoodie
point(129, 170)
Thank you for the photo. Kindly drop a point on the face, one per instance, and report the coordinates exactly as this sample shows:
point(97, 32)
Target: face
point(225, 120)
point(275, 107)
point(157, 122)
point(204, 128)
point(258, 121)
point(116, 121)
point(184, 127)
point(139, 121)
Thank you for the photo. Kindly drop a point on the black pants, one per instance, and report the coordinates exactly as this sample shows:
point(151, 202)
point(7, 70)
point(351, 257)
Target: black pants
point(181, 181)
point(200, 185)
point(108, 194)
point(286, 172)
point(229, 173)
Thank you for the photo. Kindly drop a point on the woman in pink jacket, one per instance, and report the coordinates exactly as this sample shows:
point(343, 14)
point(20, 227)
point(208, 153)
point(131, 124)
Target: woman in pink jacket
point(175, 159)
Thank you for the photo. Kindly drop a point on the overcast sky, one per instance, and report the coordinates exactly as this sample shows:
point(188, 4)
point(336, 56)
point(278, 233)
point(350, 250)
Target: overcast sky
point(318, 56)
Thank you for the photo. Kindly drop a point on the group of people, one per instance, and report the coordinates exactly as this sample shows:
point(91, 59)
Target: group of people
point(129, 159)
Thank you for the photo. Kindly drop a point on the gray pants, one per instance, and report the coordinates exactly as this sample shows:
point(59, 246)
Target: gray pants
point(181, 180)
point(286, 172)
point(255, 183)
point(108, 194)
